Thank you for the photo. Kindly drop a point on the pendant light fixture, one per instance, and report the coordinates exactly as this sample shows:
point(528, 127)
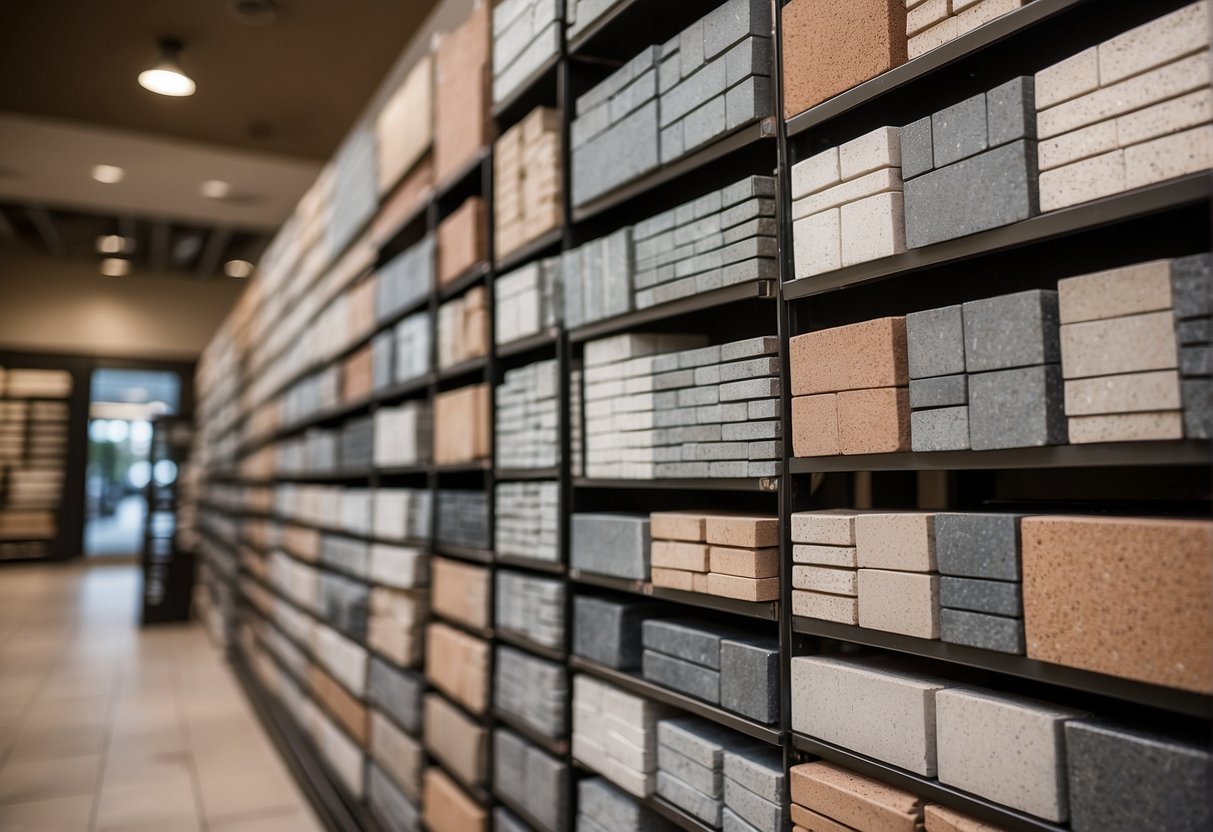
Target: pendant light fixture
point(167, 77)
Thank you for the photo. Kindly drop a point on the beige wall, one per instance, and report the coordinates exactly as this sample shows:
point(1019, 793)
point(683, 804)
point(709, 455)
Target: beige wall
point(64, 306)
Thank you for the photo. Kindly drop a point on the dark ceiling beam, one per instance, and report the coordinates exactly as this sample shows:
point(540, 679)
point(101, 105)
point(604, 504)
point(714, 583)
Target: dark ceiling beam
point(47, 230)
point(212, 251)
point(157, 249)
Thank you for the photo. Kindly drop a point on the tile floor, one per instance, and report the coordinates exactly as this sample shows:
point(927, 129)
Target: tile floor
point(105, 727)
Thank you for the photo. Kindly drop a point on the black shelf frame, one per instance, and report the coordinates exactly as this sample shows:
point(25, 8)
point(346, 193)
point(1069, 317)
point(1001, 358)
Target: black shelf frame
point(803, 483)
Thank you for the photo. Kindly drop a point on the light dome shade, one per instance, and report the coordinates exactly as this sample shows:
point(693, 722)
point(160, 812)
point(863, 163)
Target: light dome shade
point(167, 77)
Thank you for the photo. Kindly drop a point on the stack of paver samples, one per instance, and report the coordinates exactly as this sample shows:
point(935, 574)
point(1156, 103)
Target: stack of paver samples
point(533, 691)
point(405, 280)
point(402, 435)
point(528, 300)
point(527, 415)
point(732, 556)
point(980, 591)
point(526, 180)
point(824, 580)
point(531, 778)
point(526, 520)
point(706, 412)
point(615, 733)
point(608, 631)
point(525, 34)
point(463, 518)
point(530, 607)
point(602, 807)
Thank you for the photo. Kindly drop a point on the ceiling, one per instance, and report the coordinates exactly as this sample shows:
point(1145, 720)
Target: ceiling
point(294, 86)
point(276, 94)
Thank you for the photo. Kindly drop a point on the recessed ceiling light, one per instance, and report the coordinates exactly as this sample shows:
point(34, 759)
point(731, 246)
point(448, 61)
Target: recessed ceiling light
point(216, 189)
point(108, 174)
point(167, 77)
point(115, 267)
point(115, 244)
point(238, 268)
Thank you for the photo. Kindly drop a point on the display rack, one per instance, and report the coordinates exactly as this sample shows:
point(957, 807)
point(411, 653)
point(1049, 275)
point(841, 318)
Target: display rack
point(1155, 221)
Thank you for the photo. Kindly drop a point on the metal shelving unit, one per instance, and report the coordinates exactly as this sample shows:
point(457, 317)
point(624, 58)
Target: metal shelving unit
point(1158, 220)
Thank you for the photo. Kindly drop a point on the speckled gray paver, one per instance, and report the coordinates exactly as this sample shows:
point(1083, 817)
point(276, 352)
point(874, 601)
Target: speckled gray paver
point(935, 342)
point(1018, 330)
point(977, 629)
point(977, 595)
point(1124, 780)
point(959, 131)
point(978, 545)
point(1017, 408)
point(940, 429)
point(749, 677)
point(941, 391)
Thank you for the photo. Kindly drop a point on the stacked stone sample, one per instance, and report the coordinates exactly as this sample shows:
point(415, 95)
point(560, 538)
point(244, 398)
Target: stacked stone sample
point(405, 280)
point(357, 375)
point(824, 580)
point(701, 765)
point(462, 74)
point(461, 424)
point(930, 25)
point(598, 278)
point(396, 693)
point(1032, 777)
point(828, 797)
point(579, 14)
point(939, 388)
point(457, 665)
point(971, 166)
point(391, 807)
point(462, 240)
point(610, 544)
point(829, 47)
point(1121, 779)
point(528, 300)
point(401, 567)
point(461, 592)
point(355, 193)
point(615, 734)
point(706, 412)
point(413, 337)
point(601, 807)
point(526, 33)
point(870, 706)
point(720, 239)
point(394, 624)
point(897, 581)
point(847, 204)
point(731, 556)
point(726, 666)
point(527, 417)
point(356, 451)
point(404, 126)
point(1129, 112)
point(1127, 377)
point(463, 519)
point(402, 513)
point(463, 328)
point(529, 606)
point(615, 133)
point(344, 603)
point(402, 434)
point(980, 589)
point(531, 778)
point(670, 100)
point(456, 740)
point(532, 690)
point(850, 389)
point(608, 631)
point(526, 178)
point(1127, 597)
point(448, 808)
point(526, 520)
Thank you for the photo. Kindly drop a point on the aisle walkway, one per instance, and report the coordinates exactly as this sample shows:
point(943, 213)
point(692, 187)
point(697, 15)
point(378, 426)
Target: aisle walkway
point(104, 726)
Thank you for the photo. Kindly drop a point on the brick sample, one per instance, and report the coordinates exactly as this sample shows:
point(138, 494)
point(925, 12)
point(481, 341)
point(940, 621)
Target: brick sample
point(461, 93)
point(830, 48)
point(883, 713)
point(447, 808)
point(1132, 111)
point(850, 800)
point(1126, 597)
point(930, 25)
point(865, 365)
point(615, 733)
point(827, 586)
point(1027, 771)
point(526, 180)
point(850, 212)
point(982, 171)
